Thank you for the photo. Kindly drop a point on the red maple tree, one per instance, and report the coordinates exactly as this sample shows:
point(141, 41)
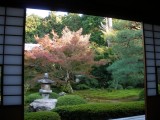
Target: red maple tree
point(69, 55)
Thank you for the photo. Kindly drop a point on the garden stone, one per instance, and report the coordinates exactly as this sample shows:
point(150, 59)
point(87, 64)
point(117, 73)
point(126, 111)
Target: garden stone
point(43, 105)
point(62, 93)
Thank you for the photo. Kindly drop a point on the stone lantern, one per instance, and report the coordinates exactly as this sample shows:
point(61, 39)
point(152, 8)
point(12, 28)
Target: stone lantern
point(45, 103)
point(45, 86)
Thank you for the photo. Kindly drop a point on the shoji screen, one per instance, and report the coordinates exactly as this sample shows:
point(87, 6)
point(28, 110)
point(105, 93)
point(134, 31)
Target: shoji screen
point(12, 23)
point(152, 56)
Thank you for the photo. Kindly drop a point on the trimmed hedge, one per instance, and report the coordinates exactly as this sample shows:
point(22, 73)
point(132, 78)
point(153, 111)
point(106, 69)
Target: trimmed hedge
point(70, 100)
point(42, 115)
point(31, 97)
point(53, 95)
point(100, 111)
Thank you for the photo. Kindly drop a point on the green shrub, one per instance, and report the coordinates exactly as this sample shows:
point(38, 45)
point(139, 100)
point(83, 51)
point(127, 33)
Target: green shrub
point(90, 82)
point(110, 89)
point(35, 87)
point(129, 87)
point(53, 95)
point(42, 115)
point(100, 111)
point(55, 88)
point(70, 100)
point(114, 86)
point(81, 87)
point(26, 109)
point(141, 95)
point(67, 88)
point(31, 97)
point(119, 87)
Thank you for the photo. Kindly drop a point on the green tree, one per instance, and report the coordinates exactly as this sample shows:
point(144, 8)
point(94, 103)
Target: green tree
point(101, 74)
point(72, 21)
point(104, 51)
point(32, 23)
point(36, 25)
point(51, 22)
point(127, 70)
point(90, 25)
point(41, 26)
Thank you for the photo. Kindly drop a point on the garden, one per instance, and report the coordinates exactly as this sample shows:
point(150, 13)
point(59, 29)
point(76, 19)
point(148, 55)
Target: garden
point(95, 65)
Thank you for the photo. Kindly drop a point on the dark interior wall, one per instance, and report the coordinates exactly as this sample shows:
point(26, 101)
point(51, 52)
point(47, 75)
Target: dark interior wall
point(153, 105)
point(11, 113)
point(130, 10)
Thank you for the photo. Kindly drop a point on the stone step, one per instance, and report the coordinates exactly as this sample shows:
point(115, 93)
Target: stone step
point(139, 117)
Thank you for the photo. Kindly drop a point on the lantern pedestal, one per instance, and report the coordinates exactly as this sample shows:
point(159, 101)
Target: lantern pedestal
point(43, 105)
point(45, 93)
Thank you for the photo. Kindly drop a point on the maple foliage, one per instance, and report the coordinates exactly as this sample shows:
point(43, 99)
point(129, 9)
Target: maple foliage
point(71, 52)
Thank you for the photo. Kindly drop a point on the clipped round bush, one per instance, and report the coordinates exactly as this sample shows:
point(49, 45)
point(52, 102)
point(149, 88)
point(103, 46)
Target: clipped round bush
point(30, 98)
point(42, 115)
point(53, 95)
point(70, 100)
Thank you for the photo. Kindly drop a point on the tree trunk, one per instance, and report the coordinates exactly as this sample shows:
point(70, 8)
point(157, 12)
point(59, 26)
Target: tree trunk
point(68, 88)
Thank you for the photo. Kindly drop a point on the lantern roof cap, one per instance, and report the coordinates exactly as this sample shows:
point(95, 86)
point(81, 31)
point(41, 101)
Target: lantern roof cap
point(45, 80)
